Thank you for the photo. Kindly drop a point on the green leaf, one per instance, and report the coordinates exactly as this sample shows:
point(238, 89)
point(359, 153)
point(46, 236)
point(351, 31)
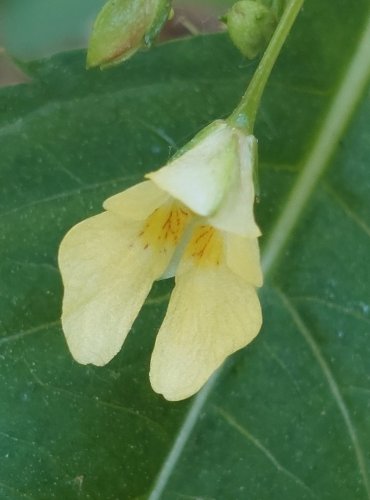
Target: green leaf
point(287, 417)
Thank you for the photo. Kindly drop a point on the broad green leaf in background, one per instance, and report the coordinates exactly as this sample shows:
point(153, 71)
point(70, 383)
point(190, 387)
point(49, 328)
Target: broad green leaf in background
point(288, 417)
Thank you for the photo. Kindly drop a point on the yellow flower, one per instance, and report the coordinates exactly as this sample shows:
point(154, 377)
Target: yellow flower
point(194, 219)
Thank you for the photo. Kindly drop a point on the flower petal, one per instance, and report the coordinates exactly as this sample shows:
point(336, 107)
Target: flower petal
point(243, 257)
point(236, 212)
point(137, 202)
point(107, 274)
point(211, 314)
point(201, 176)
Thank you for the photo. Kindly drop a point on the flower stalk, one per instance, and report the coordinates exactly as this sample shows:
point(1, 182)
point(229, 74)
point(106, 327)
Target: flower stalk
point(244, 115)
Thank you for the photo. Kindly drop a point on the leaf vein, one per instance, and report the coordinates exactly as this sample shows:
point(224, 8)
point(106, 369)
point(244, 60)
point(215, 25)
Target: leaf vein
point(24, 333)
point(332, 384)
point(257, 443)
point(67, 194)
point(151, 424)
point(58, 165)
point(331, 305)
point(347, 209)
point(282, 365)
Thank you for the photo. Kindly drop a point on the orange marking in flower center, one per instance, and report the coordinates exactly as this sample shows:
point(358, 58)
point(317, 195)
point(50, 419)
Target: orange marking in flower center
point(165, 226)
point(205, 246)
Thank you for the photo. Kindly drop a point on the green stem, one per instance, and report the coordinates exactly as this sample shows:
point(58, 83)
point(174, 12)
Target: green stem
point(245, 113)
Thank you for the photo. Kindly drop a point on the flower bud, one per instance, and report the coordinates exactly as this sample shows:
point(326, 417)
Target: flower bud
point(250, 25)
point(123, 27)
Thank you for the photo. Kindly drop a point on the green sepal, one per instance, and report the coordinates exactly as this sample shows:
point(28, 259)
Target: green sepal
point(164, 13)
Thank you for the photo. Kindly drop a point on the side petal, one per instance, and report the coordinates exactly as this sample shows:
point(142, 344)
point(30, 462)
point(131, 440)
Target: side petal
point(243, 258)
point(201, 176)
point(136, 202)
point(212, 313)
point(107, 275)
point(236, 212)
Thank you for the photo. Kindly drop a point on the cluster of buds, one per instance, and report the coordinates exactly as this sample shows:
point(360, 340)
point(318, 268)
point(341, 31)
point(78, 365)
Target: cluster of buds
point(125, 26)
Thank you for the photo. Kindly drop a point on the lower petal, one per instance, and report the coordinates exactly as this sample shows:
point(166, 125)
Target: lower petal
point(107, 276)
point(243, 257)
point(136, 202)
point(212, 313)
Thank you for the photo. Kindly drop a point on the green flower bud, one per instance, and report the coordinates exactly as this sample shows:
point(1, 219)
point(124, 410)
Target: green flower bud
point(250, 25)
point(123, 27)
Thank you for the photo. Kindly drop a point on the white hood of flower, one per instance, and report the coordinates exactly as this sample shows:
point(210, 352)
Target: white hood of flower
point(214, 178)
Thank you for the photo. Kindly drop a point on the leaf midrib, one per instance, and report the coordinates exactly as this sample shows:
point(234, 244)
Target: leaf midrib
point(334, 124)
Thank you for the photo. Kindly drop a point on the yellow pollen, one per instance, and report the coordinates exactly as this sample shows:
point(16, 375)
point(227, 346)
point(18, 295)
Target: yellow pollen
point(205, 246)
point(165, 226)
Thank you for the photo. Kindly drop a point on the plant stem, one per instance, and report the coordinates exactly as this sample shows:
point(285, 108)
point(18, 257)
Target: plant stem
point(245, 113)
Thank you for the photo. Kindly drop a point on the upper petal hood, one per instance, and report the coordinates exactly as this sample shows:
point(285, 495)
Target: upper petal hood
point(201, 176)
point(214, 178)
point(236, 211)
